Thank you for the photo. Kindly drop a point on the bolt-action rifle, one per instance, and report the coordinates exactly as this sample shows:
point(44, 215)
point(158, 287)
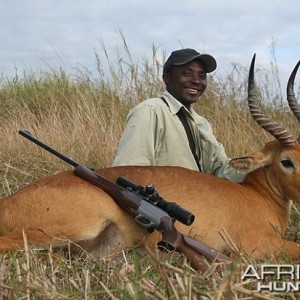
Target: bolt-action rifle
point(149, 209)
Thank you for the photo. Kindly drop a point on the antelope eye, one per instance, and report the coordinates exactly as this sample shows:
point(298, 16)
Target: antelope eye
point(287, 163)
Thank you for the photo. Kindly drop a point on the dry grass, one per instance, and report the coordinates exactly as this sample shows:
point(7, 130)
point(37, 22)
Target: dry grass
point(83, 117)
point(36, 274)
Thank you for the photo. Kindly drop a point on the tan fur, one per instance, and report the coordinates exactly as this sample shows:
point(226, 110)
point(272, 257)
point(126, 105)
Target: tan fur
point(255, 213)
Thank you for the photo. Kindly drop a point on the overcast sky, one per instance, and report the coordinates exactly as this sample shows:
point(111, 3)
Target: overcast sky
point(38, 33)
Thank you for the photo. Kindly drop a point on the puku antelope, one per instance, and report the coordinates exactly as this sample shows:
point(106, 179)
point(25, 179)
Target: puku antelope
point(62, 207)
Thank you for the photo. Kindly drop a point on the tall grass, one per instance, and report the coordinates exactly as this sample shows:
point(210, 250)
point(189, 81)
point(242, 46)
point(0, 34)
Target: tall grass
point(83, 116)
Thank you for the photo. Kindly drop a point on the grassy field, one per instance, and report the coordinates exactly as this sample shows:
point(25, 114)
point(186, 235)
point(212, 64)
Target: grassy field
point(83, 116)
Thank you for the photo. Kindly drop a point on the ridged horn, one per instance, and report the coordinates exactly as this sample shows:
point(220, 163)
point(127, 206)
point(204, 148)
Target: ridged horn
point(291, 98)
point(274, 128)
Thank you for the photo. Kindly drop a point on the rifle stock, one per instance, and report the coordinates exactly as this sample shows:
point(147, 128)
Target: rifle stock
point(146, 213)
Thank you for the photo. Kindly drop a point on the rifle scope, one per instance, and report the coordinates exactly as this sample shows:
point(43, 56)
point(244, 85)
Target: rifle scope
point(151, 195)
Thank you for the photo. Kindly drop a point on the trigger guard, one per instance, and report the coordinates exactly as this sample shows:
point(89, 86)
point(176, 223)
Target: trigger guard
point(144, 222)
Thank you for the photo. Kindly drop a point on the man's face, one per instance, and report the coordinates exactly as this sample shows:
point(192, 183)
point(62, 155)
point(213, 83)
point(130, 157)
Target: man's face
point(187, 82)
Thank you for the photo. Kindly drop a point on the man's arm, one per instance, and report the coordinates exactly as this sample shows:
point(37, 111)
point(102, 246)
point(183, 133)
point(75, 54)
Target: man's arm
point(222, 167)
point(137, 143)
point(214, 159)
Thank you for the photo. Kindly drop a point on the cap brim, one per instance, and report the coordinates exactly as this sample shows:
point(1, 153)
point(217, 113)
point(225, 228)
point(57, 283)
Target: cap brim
point(208, 61)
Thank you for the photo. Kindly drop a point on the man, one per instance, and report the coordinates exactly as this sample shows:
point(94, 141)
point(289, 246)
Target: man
point(166, 131)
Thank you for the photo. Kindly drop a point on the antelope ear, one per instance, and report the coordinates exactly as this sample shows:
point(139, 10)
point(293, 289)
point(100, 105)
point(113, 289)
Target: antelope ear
point(248, 164)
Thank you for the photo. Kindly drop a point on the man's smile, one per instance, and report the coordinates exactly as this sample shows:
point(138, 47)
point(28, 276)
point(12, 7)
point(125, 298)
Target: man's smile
point(193, 90)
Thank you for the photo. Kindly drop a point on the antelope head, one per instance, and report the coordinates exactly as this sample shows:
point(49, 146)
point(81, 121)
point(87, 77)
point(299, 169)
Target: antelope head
point(277, 165)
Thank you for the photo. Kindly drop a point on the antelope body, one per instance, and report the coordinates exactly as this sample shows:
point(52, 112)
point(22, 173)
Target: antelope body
point(62, 207)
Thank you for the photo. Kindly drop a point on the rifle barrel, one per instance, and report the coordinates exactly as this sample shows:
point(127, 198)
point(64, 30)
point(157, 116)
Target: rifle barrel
point(30, 137)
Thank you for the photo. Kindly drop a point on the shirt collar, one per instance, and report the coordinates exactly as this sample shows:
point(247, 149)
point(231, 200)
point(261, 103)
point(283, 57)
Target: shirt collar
point(175, 105)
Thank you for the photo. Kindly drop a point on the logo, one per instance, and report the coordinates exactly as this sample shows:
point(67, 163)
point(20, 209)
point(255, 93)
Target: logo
point(274, 278)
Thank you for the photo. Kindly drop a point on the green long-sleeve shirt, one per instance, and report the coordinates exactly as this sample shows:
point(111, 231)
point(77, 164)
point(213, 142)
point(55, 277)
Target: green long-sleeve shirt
point(155, 136)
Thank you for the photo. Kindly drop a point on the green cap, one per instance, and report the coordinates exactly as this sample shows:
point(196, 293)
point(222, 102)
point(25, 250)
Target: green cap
point(184, 56)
